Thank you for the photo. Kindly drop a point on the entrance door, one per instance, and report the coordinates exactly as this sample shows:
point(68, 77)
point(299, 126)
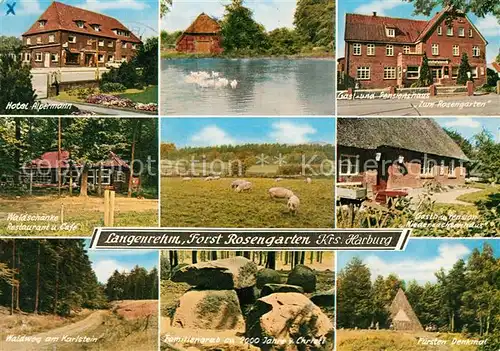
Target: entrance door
point(202, 46)
point(46, 63)
point(437, 73)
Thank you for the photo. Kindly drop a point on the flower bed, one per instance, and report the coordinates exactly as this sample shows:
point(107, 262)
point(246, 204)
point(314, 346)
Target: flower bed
point(115, 101)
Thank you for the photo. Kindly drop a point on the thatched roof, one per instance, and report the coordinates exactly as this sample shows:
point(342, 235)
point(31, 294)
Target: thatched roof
point(203, 24)
point(416, 134)
point(402, 315)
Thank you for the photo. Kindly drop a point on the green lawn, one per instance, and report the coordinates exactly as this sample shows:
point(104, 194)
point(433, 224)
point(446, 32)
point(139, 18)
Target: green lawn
point(149, 95)
point(484, 190)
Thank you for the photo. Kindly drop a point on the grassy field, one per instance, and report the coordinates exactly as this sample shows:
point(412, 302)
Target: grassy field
point(85, 213)
point(377, 340)
point(482, 194)
point(146, 96)
point(198, 203)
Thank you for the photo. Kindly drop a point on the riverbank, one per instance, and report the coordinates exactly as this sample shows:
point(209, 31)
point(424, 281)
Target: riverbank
point(327, 55)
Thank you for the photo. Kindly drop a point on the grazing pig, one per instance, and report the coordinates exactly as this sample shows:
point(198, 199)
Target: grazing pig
point(216, 178)
point(308, 180)
point(280, 193)
point(293, 204)
point(237, 182)
point(186, 179)
point(246, 186)
point(207, 179)
point(278, 179)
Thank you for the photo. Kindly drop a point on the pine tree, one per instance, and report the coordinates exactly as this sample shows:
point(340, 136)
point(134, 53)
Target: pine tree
point(463, 70)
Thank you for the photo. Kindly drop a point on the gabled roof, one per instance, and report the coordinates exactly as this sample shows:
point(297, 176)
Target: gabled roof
point(60, 16)
point(203, 24)
point(422, 135)
point(51, 159)
point(114, 160)
point(373, 28)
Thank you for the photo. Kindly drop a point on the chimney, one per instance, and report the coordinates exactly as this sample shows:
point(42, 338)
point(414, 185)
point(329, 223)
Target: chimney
point(374, 13)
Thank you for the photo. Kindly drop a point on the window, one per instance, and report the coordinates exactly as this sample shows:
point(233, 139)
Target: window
point(391, 32)
point(38, 57)
point(27, 57)
point(456, 50)
point(111, 58)
point(42, 178)
point(54, 57)
point(120, 176)
point(356, 49)
point(96, 27)
point(474, 72)
point(28, 41)
point(406, 49)
point(454, 72)
point(52, 38)
point(435, 49)
point(349, 165)
point(363, 73)
point(427, 165)
point(461, 32)
point(110, 44)
point(389, 50)
point(121, 32)
point(389, 72)
point(124, 45)
point(101, 42)
point(451, 168)
point(475, 51)
point(89, 42)
point(80, 24)
point(42, 23)
point(440, 30)
point(39, 40)
point(100, 57)
point(449, 31)
point(106, 176)
point(470, 33)
point(412, 72)
point(370, 49)
point(72, 39)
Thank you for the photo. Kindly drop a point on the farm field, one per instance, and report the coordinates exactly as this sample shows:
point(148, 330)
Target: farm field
point(86, 213)
point(198, 203)
point(376, 340)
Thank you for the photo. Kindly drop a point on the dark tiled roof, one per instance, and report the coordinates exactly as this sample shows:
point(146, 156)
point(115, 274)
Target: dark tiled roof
point(416, 134)
point(60, 16)
point(114, 161)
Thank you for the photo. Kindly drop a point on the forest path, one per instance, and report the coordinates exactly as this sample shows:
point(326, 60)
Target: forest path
point(63, 335)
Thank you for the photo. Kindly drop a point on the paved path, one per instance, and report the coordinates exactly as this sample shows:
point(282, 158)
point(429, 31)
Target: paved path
point(485, 105)
point(100, 110)
point(447, 197)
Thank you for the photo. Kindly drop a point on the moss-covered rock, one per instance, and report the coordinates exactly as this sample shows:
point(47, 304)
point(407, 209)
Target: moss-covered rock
point(303, 276)
point(267, 276)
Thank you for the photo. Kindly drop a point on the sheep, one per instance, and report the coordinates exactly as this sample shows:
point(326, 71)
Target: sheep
point(186, 179)
point(308, 180)
point(246, 186)
point(293, 204)
point(280, 193)
point(237, 182)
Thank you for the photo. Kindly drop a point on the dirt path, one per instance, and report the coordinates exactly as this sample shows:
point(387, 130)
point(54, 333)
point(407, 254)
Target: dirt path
point(47, 340)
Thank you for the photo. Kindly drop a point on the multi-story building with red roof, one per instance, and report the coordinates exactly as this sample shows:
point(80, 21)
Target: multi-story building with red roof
point(384, 51)
point(67, 36)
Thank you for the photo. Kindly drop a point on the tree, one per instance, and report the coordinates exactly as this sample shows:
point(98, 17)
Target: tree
point(314, 22)
point(487, 154)
point(452, 286)
point(165, 6)
point(425, 79)
point(480, 8)
point(147, 61)
point(464, 68)
point(240, 31)
point(463, 143)
point(9, 44)
point(491, 77)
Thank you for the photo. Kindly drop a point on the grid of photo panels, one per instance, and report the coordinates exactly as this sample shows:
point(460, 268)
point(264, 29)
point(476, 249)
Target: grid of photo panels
point(284, 115)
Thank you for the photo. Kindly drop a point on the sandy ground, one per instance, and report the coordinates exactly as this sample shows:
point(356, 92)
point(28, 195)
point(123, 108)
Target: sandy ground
point(136, 309)
point(448, 197)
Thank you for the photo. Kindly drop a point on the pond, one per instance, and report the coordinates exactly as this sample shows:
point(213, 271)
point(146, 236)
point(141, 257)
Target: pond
point(264, 87)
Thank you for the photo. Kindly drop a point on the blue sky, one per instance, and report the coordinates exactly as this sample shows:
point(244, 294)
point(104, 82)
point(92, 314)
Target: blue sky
point(469, 126)
point(271, 13)
point(226, 131)
point(422, 258)
point(488, 26)
point(105, 262)
point(140, 16)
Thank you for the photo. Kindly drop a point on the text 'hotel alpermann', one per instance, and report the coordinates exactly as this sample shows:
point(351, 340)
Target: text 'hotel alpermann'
point(382, 52)
point(67, 36)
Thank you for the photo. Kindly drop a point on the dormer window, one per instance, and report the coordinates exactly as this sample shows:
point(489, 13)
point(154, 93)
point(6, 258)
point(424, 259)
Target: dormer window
point(96, 27)
point(390, 32)
point(122, 33)
point(42, 23)
point(80, 24)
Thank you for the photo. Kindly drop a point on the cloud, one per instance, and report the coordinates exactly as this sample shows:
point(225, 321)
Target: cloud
point(291, 133)
point(105, 268)
point(422, 270)
point(96, 5)
point(29, 7)
point(212, 136)
point(463, 122)
point(379, 6)
point(488, 26)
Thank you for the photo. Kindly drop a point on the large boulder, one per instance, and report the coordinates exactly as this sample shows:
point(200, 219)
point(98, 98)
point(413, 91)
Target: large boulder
point(209, 309)
point(324, 298)
point(269, 289)
point(292, 321)
point(267, 276)
point(303, 276)
point(226, 274)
